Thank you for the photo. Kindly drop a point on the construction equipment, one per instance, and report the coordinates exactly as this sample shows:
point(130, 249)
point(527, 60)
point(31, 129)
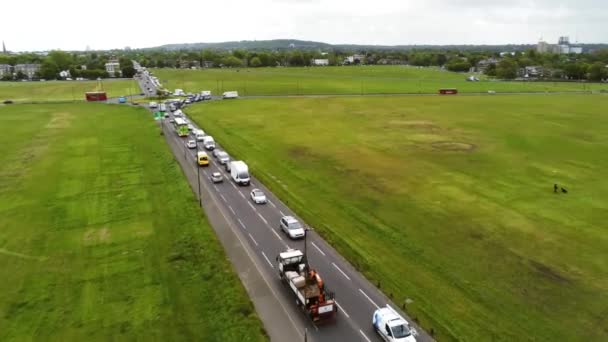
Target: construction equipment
point(312, 296)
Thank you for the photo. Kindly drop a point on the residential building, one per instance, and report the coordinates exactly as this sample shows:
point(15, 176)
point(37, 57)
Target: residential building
point(113, 67)
point(320, 62)
point(5, 69)
point(354, 59)
point(29, 70)
point(483, 64)
point(532, 71)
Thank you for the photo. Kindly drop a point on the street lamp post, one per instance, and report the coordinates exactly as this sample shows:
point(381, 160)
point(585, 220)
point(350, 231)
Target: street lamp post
point(198, 178)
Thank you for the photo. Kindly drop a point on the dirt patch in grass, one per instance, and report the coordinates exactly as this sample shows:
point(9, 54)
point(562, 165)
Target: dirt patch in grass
point(414, 124)
point(60, 120)
point(548, 272)
point(93, 236)
point(302, 153)
point(453, 146)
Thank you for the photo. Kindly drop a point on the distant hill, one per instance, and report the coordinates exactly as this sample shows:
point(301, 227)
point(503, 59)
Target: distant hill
point(286, 44)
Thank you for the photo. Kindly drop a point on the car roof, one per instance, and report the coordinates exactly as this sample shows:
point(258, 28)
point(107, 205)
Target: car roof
point(290, 219)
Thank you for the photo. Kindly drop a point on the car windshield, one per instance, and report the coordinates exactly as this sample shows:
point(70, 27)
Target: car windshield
point(295, 225)
point(401, 331)
point(243, 175)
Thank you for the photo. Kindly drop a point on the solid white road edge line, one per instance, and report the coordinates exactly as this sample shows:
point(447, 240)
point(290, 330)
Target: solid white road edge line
point(338, 268)
point(370, 300)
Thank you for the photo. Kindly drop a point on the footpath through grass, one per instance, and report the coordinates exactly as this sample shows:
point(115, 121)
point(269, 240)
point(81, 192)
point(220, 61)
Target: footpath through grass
point(101, 237)
point(448, 201)
point(346, 80)
point(64, 90)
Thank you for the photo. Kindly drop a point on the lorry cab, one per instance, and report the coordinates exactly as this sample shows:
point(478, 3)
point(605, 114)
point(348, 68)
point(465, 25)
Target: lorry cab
point(202, 158)
point(391, 326)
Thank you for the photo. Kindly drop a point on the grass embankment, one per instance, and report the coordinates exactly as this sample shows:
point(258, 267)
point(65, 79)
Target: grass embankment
point(345, 80)
point(100, 235)
point(53, 91)
point(448, 201)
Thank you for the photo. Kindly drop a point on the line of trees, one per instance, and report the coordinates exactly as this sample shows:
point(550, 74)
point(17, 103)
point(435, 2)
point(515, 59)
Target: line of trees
point(590, 66)
point(89, 65)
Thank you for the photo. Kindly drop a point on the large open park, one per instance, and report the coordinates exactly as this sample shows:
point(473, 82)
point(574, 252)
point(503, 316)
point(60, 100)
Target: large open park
point(101, 237)
point(351, 80)
point(54, 91)
point(447, 201)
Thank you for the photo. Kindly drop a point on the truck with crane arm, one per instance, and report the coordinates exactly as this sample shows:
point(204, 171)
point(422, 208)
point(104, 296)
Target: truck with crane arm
point(307, 285)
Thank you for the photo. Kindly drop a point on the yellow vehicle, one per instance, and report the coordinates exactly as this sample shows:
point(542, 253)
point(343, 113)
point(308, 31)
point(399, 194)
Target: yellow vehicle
point(202, 158)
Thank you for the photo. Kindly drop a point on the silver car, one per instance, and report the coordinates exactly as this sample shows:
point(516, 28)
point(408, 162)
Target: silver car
point(258, 196)
point(217, 177)
point(292, 227)
point(223, 157)
point(191, 144)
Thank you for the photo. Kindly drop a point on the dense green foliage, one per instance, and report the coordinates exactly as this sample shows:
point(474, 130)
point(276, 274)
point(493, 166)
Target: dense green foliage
point(448, 201)
point(101, 238)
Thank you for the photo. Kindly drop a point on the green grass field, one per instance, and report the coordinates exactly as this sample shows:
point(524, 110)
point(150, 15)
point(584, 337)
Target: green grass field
point(345, 80)
point(64, 90)
point(101, 237)
point(448, 201)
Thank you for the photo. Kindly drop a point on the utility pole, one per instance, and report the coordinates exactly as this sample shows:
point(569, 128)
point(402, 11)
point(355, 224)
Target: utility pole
point(198, 178)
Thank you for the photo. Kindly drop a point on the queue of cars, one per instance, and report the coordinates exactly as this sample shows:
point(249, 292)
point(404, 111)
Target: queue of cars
point(386, 321)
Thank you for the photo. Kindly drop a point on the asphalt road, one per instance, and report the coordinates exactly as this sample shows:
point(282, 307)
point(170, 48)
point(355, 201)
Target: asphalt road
point(256, 228)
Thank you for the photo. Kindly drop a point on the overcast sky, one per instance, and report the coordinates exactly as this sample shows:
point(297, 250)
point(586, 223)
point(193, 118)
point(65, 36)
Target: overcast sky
point(74, 25)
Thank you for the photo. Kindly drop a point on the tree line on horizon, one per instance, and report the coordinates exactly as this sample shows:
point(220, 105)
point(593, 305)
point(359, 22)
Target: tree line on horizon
point(586, 66)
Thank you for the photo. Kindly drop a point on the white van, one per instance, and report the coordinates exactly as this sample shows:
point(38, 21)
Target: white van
point(206, 95)
point(209, 143)
point(239, 172)
point(230, 95)
point(179, 92)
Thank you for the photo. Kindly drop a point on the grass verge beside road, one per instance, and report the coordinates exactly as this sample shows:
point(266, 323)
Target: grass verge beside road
point(447, 201)
point(52, 91)
point(101, 237)
point(346, 80)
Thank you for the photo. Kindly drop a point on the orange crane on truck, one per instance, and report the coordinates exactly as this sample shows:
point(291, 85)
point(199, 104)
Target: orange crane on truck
point(312, 296)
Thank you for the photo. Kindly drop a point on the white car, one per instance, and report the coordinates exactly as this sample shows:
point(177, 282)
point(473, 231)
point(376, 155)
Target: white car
point(292, 227)
point(153, 105)
point(258, 196)
point(190, 127)
point(217, 177)
point(191, 144)
point(391, 326)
